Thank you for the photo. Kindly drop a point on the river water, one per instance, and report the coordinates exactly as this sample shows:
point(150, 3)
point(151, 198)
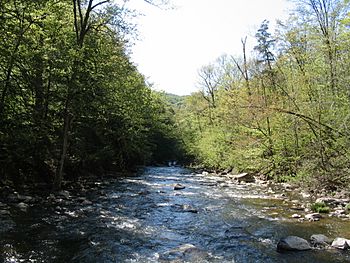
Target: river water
point(143, 219)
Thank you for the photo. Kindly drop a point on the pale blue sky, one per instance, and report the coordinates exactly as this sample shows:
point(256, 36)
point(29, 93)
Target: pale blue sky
point(176, 43)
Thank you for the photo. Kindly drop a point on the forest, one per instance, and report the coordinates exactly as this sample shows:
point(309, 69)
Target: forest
point(281, 111)
point(72, 103)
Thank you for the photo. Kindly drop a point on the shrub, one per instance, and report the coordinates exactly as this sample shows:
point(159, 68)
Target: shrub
point(347, 207)
point(320, 208)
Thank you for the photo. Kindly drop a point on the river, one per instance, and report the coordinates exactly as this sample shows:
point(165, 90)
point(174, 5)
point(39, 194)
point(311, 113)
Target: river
point(143, 219)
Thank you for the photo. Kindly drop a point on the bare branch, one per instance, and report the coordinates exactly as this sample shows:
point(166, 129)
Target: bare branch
point(100, 3)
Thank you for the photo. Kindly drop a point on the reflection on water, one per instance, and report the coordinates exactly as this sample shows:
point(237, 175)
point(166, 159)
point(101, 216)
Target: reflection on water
point(142, 219)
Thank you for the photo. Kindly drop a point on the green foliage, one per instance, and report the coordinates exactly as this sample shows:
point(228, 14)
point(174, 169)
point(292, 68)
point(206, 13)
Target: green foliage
point(284, 112)
point(174, 100)
point(347, 207)
point(320, 208)
point(73, 97)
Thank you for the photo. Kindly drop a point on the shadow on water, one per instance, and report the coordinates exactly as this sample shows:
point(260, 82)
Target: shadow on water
point(141, 219)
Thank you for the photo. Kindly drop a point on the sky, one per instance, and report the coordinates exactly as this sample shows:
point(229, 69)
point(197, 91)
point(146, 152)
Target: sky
point(175, 43)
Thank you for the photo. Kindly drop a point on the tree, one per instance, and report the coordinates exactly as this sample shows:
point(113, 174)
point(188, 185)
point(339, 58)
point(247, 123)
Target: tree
point(72, 101)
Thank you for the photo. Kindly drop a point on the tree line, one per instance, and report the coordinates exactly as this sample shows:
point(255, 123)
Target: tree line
point(71, 101)
point(282, 110)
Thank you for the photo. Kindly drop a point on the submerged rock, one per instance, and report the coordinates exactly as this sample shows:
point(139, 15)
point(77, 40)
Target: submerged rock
point(86, 202)
point(293, 243)
point(237, 232)
point(184, 253)
point(184, 208)
point(144, 192)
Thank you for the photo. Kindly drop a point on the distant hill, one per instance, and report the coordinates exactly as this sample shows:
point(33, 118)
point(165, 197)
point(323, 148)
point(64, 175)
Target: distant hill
point(174, 100)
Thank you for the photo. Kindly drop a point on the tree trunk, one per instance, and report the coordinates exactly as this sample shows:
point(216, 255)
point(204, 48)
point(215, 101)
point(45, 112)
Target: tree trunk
point(59, 172)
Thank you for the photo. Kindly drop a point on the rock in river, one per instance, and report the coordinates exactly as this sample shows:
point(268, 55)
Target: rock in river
point(341, 243)
point(179, 187)
point(319, 240)
point(313, 217)
point(188, 208)
point(296, 216)
point(184, 253)
point(292, 243)
point(244, 177)
point(22, 206)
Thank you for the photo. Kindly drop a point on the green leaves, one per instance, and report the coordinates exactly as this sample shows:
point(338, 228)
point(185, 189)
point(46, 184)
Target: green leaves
point(73, 99)
point(282, 116)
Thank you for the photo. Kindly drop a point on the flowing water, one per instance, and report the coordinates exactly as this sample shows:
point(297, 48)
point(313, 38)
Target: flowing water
point(143, 219)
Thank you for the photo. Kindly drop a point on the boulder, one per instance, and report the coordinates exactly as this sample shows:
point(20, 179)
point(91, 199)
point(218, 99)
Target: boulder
point(296, 216)
point(244, 177)
point(313, 217)
point(293, 243)
point(22, 206)
point(340, 212)
point(341, 243)
point(179, 187)
point(319, 240)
